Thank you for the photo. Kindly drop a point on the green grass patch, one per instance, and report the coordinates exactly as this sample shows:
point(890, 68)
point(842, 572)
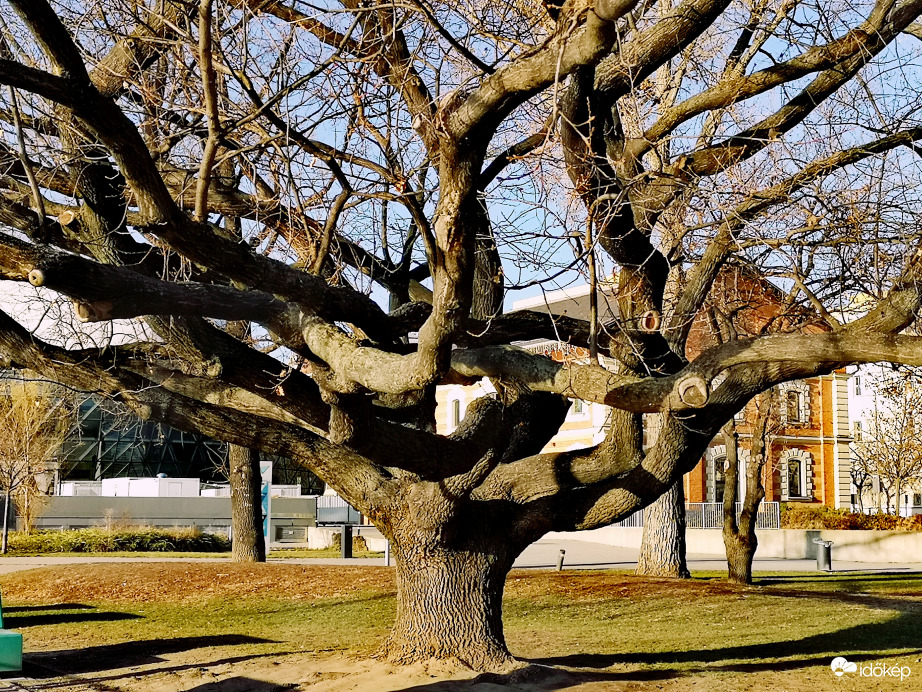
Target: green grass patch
point(786, 629)
point(355, 624)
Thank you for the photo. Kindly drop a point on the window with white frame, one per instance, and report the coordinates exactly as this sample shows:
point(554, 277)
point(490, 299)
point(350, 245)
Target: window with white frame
point(858, 432)
point(579, 410)
point(455, 413)
point(796, 474)
point(716, 472)
point(857, 381)
point(795, 403)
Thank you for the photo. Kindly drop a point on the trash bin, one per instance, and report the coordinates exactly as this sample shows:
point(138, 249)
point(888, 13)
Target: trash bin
point(345, 542)
point(823, 554)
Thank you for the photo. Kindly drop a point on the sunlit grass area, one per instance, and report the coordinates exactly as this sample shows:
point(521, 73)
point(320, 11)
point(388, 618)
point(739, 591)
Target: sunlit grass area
point(789, 626)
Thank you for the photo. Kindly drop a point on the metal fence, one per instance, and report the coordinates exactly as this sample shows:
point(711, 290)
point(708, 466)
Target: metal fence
point(332, 509)
point(710, 515)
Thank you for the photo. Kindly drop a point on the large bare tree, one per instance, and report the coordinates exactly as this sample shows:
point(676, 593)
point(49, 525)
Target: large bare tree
point(362, 185)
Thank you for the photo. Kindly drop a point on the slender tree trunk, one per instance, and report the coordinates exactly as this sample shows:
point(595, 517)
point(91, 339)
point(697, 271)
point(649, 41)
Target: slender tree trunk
point(898, 492)
point(249, 544)
point(740, 546)
point(662, 549)
point(740, 540)
point(6, 522)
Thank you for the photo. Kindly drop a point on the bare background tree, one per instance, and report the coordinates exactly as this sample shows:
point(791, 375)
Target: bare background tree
point(363, 187)
point(34, 422)
point(889, 449)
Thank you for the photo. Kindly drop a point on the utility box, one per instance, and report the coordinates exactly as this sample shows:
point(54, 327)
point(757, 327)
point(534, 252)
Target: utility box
point(10, 648)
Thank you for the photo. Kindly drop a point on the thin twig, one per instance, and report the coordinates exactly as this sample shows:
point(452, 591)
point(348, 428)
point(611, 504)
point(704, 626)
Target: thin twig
point(27, 164)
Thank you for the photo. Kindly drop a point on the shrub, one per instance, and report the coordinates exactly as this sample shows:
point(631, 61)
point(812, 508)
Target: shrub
point(131, 539)
point(358, 542)
point(798, 516)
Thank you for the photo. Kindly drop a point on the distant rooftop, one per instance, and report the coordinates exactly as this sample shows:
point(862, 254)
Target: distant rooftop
point(572, 302)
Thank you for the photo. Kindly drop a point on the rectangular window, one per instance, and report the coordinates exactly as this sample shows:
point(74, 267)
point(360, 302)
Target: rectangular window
point(456, 412)
point(793, 406)
point(577, 406)
point(795, 487)
point(720, 480)
point(857, 386)
point(917, 500)
point(858, 431)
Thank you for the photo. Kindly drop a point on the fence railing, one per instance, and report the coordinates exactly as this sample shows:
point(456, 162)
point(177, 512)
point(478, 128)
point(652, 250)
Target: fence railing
point(710, 515)
point(332, 509)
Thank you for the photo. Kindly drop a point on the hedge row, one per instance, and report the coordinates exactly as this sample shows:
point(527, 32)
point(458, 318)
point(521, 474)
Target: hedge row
point(139, 539)
point(819, 517)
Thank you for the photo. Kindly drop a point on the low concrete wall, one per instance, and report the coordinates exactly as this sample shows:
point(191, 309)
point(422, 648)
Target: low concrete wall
point(210, 514)
point(852, 546)
point(322, 537)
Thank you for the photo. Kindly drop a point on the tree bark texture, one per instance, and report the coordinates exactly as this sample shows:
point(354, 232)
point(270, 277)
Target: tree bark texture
point(740, 540)
point(449, 600)
point(662, 550)
point(249, 543)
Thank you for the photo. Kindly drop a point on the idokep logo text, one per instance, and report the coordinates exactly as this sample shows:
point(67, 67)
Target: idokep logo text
point(840, 666)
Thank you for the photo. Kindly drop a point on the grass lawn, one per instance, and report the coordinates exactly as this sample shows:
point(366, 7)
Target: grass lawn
point(625, 631)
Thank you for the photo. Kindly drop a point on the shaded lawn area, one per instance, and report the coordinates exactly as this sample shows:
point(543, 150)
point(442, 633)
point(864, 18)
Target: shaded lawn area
point(623, 627)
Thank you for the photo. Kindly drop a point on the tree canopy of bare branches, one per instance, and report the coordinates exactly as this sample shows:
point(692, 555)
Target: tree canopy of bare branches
point(339, 177)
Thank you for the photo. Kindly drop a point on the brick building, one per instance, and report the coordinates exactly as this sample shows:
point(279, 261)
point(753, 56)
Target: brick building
point(809, 458)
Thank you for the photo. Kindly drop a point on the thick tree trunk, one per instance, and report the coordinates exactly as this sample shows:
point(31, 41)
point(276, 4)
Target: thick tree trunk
point(249, 544)
point(449, 599)
point(662, 549)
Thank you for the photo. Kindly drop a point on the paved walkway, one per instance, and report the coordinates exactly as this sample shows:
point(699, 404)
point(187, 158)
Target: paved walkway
point(540, 555)
point(586, 555)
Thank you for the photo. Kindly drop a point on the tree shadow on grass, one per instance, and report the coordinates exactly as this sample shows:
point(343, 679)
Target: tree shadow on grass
point(862, 642)
point(53, 606)
point(844, 576)
point(127, 654)
point(16, 622)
